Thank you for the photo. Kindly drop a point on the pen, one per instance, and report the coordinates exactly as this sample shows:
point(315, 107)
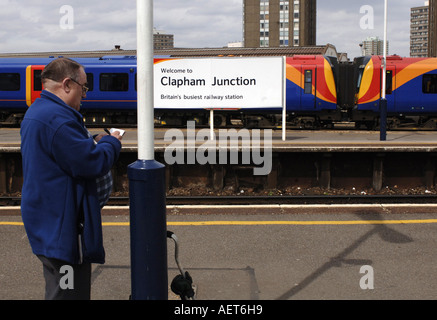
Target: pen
point(107, 131)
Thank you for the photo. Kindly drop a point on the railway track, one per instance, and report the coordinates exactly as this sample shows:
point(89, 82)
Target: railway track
point(297, 200)
point(273, 200)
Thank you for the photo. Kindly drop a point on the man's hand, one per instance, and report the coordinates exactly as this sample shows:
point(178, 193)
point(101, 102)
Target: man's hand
point(98, 137)
point(116, 134)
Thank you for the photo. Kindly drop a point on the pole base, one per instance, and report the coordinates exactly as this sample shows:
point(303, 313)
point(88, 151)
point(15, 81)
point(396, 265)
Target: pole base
point(148, 230)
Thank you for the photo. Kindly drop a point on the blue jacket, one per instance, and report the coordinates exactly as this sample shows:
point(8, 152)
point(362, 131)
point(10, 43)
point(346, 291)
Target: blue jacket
point(60, 167)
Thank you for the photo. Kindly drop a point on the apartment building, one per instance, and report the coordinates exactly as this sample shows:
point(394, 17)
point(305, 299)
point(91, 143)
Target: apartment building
point(279, 23)
point(423, 33)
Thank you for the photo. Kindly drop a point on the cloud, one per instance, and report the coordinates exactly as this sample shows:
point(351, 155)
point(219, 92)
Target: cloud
point(338, 28)
point(33, 25)
point(201, 23)
point(339, 24)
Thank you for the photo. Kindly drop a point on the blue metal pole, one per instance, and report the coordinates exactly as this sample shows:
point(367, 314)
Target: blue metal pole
point(148, 227)
point(383, 104)
point(148, 230)
point(383, 120)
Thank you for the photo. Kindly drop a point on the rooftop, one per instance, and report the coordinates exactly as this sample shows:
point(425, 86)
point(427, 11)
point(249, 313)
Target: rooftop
point(187, 52)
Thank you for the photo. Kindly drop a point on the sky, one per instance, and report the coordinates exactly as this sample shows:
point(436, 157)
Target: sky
point(82, 25)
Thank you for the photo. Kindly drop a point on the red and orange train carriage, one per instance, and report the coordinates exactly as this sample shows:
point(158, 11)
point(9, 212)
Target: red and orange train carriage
point(320, 92)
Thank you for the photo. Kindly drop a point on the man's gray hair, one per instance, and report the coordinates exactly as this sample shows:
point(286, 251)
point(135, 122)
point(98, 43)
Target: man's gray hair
point(61, 68)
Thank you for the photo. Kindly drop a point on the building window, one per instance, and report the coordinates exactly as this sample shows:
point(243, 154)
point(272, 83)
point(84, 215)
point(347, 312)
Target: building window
point(264, 43)
point(264, 23)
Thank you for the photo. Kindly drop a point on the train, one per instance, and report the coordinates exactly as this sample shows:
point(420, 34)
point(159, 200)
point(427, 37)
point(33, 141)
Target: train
point(321, 92)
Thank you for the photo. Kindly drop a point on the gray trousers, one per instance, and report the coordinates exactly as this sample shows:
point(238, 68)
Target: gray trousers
point(66, 281)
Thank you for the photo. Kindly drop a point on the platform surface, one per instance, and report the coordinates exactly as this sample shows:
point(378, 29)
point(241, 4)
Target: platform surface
point(260, 257)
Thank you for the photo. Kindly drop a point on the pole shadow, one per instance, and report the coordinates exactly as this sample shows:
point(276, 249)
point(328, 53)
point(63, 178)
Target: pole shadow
point(387, 234)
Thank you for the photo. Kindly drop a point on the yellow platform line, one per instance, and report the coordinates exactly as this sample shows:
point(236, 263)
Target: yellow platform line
point(8, 223)
point(299, 223)
point(264, 223)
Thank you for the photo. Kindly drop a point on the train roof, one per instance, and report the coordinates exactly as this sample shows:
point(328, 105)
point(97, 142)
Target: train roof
point(395, 60)
point(84, 61)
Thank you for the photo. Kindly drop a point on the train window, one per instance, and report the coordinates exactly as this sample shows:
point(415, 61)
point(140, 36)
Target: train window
point(429, 83)
point(37, 84)
point(9, 81)
point(308, 81)
point(90, 81)
point(360, 77)
point(389, 82)
point(114, 82)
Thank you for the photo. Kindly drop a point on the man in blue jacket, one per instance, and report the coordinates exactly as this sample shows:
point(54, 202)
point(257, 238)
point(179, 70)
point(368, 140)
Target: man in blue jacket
point(61, 164)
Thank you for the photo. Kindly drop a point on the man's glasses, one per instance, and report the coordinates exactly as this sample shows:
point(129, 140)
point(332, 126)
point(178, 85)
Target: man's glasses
point(85, 89)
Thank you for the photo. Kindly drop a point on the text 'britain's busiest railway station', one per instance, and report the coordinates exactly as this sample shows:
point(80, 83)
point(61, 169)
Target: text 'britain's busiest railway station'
point(292, 170)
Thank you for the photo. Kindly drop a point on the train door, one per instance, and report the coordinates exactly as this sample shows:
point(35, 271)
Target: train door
point(308, 99)
point(390, 93)
point(425, 100)
point(33, 83)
